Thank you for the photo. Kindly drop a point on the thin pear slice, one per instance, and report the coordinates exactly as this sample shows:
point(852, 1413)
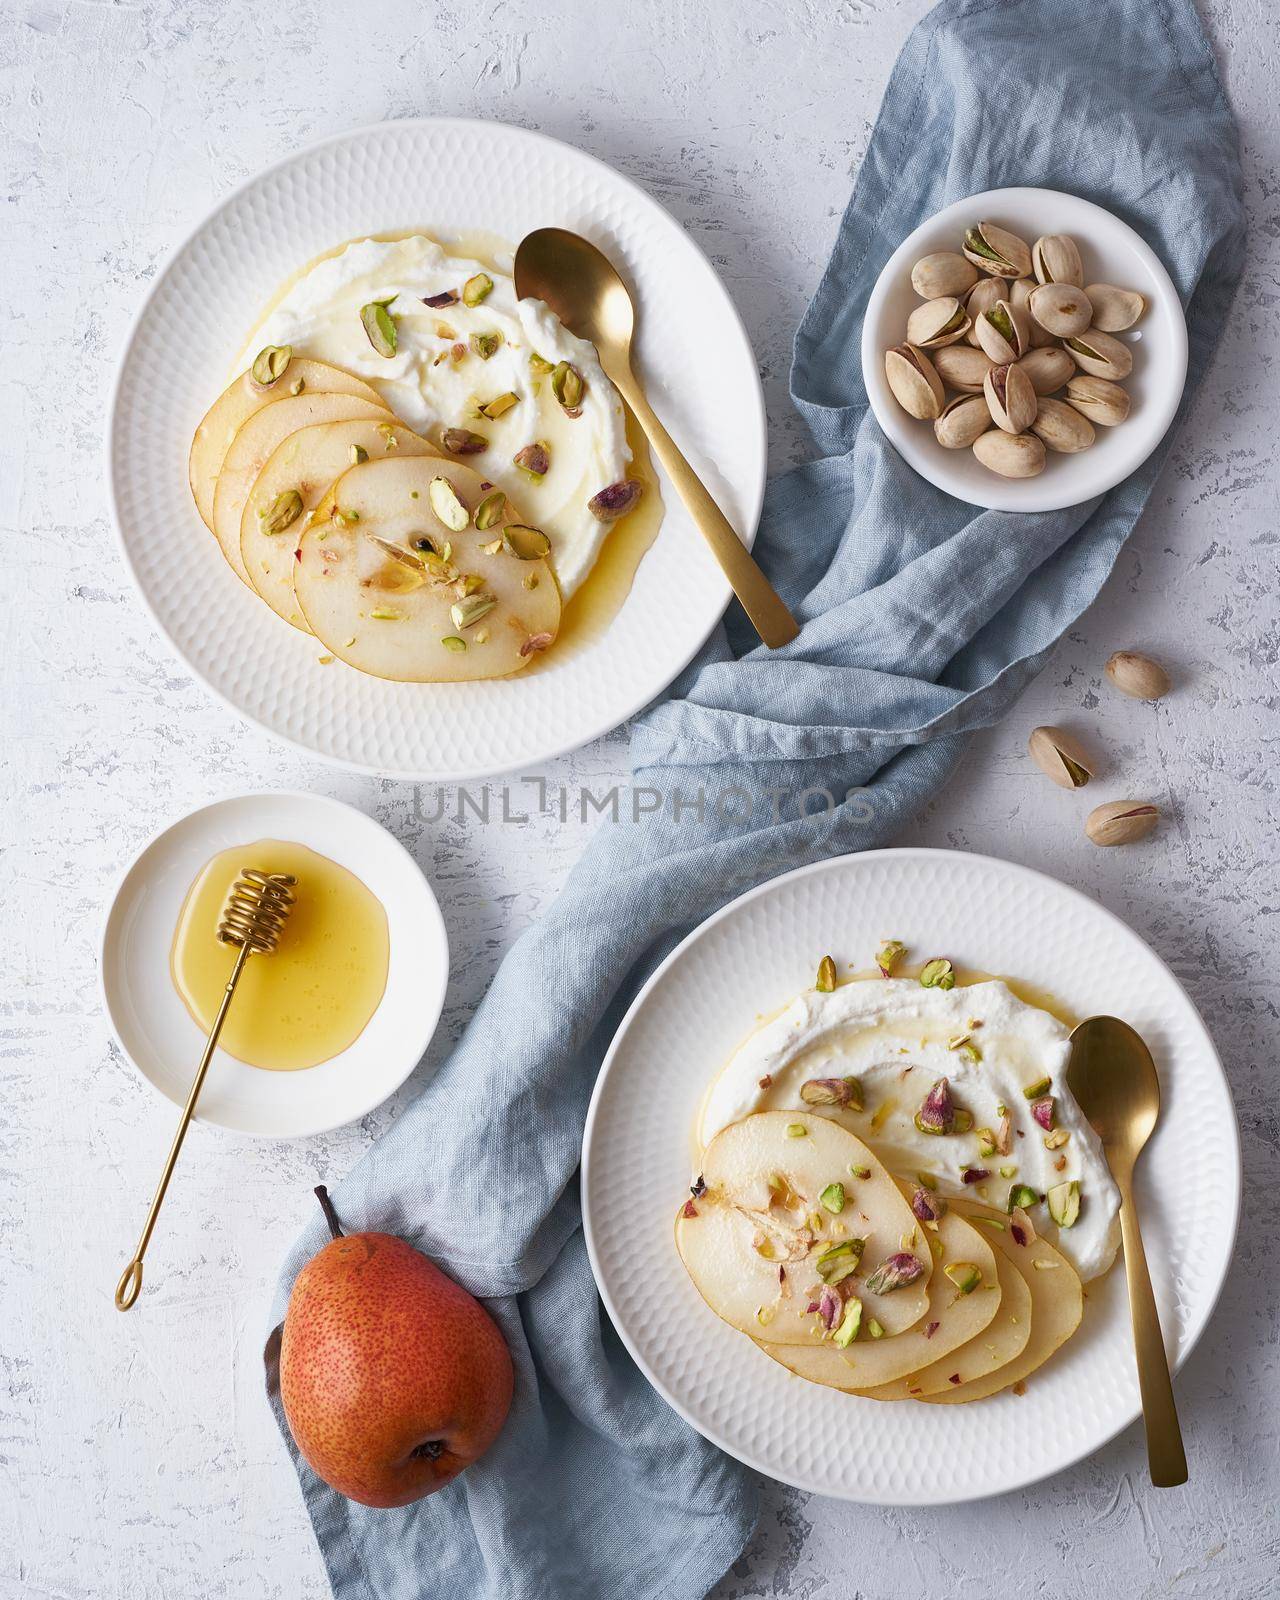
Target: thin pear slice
point(237, 403)
point(1001, 1341)
point(954, 1316)
point(258, 438)
point(1057, 1303)
point(394, 576)
point(307, 463)
point(754, 1243)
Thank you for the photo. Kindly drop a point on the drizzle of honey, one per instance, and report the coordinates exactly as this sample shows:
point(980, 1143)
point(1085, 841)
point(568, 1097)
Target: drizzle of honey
point(314, 995)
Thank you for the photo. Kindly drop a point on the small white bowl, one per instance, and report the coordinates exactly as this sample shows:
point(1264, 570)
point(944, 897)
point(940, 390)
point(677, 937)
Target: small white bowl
point(1113, 253)
point(154, 1028)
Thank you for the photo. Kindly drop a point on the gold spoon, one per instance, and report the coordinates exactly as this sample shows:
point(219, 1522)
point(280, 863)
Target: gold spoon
point(583, 289)
point(255, 912)
point(1114, 1080)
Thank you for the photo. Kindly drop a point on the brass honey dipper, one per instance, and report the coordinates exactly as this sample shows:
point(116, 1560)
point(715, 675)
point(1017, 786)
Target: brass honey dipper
point(255, 912)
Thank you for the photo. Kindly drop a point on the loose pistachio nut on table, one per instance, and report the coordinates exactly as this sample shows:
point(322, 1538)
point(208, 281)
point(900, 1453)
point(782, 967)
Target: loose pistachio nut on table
point(1009, 355)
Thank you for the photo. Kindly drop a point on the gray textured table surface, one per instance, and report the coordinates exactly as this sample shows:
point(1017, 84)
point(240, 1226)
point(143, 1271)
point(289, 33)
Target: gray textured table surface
point(137, 1458)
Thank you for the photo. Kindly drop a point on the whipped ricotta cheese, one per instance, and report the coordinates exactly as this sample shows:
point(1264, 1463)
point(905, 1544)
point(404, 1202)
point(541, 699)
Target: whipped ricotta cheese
point(898, 1038)
point(436, 380)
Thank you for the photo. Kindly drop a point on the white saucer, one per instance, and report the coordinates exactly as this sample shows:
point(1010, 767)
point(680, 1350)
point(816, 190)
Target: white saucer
point(1113, 253)
point(156, 1032)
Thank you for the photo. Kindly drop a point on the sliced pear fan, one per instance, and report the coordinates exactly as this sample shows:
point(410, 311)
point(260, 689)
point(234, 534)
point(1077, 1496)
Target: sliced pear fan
point(307, 463)
point(793, 1203)
point(396, 579)
point(254, 444)
point(959, 1309)
point(237, 403)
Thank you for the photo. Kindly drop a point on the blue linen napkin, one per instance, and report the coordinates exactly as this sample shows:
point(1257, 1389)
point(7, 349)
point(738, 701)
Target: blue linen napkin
point(923, 618)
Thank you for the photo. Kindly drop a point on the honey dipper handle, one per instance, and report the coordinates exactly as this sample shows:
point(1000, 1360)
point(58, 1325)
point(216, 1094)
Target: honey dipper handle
point(130, 1284)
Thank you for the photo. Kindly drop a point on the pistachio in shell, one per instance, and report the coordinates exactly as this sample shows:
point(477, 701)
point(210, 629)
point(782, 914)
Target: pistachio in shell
point(961, 367)
point(1100, 355)
point(1048, 369)
point(1060, 756)
point(962, 421)
point(984, 295)
point(1019, 294)
point(937, 323)
point(1105, 403)
point(1138, 676)
point(1012, 455)
point(1004, 332)
point(1055, 258)
point(1061, 309)
point(996, 251)
point(1114, 309)
point(916, 385)
point(1062, 428)
point(943, 274)
point(1121, 821)
point(1011, 398)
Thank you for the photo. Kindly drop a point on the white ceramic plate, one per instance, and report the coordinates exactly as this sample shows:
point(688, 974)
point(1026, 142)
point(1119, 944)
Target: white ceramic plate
point(1113, 253)
point(443, 176)
point(751, 959)
point(154, 1028)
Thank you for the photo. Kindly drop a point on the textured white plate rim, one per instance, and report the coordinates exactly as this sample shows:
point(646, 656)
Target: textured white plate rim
point(1027, 495)
point(606, 725)
point(1194, 1330)
point(433, 994)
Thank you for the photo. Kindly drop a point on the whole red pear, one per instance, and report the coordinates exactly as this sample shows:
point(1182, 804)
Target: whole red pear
point(393, 1378)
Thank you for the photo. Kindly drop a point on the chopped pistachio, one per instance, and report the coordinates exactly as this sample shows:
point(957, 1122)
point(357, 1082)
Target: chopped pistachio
point(535, 459)
point(839, 1260)
point(832, 1197)
point(567, 386)
point(1064, 1203)
point(860, 1172)
point(447, 506)
point(463, 442)
point(847, 1332)
point(882, 1114)
point(452, 642)
point(796, 1130)
point(888, 956)
point(489, 514)
point(477, 289)
point(938, 974)
point(270, 363)
point(282, 513)
point(538, 365)
point(386, 614)
point(1056, 1139)
point(357, 454)
point(928, 1180)
point(832, 1092)
point(525, 543)
point(499, 405)
point(1043, 1264)
point(466, 613)
point(764, 1315)
point(380, 326)
point(964, 1274)
point(1022, 1195)
point(1008, 1172)
point(875, 1329)
point(297, 386)
point(485, 345)
point(1041, 1086)
point(826, 980)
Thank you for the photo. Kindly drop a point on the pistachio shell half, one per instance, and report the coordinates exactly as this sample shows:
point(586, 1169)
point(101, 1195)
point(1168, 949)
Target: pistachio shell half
point(1138, 676)
point(996, 251)
point(937, 323)
point(1103, 402)
point(916, 385)
point(1114, 309)
point(1060, 756)
point(1062, 428)
point(965, 419)
point(985, 294)
point(1100, 355)
point(1056, 259)
point(1061, 309)
point(1048, 369)
point(961, 367)
point(1121, 821)
point(1004, 332)
point(942, 274)
point(1020, 295)
point(1010, 397)
point(1012, 455)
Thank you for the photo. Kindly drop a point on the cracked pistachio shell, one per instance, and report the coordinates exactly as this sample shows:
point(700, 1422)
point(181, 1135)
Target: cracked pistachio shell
point(962, 421)
point(1056, 259)
point(1103, 402)
point(1048, 369)
point(961, 367)
point(1011, 399)
point(1004, 332)
point(1114, 309)
point(1062, 428)
point(985, 294)
point(943, 274)
point(1020, 295)
point(1121, 821)
point(937, 323)
point(996, 251)
point(1138, 676)
point(1060, 756)
point(916, 386)
point(1012, 455)
point(1100, 355)
point(1061, 309)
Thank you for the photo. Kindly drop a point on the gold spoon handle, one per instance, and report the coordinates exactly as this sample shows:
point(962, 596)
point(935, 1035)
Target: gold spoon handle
point(769, 616)
point(130, 1285)
point(1165, 1455)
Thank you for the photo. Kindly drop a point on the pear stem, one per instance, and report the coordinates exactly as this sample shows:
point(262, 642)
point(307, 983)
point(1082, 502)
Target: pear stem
point(330, 1215)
